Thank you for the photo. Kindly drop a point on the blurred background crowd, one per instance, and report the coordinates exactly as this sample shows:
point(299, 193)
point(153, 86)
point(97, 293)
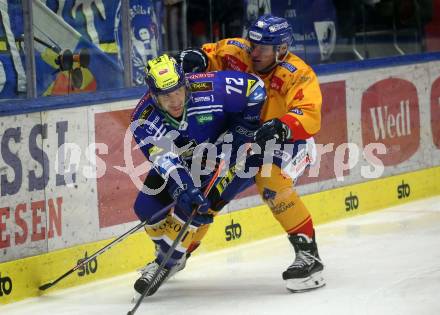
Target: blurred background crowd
point(61, 47)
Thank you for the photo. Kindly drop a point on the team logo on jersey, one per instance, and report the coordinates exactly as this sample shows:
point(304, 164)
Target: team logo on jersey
point(204, 118)
point(202, 86)
point(297, 111)
point(276, 83)
point(288, 66)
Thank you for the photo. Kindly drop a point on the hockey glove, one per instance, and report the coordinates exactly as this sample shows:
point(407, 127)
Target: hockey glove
point(193, 60)
point(188, 197)
point(272, 129)
point(191, 198)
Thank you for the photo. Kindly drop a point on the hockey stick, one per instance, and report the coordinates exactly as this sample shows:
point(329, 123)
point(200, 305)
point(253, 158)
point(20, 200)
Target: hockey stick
point(102, 250)
point(176, 241)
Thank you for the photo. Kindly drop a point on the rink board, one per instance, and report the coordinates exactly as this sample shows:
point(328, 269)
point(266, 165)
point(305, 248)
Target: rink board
point(230, 229)
point(69, 177)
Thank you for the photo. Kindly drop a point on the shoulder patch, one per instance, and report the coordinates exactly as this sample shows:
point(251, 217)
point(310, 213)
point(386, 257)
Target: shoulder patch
point(143, 109)
point(288, 66)
point(238, 44)
point(146, 112)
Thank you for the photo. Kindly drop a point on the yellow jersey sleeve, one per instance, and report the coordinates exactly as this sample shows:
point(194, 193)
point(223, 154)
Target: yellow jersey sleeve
point(228, 54)
point(303, 100)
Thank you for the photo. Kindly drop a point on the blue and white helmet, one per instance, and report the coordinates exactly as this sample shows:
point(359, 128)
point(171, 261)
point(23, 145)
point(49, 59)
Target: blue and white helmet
point(270, 30)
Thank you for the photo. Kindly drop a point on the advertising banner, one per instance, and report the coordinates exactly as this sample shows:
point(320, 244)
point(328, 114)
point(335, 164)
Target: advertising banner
point(333, 134)
point(116, 190)
point(435, 112)
point(390, 115)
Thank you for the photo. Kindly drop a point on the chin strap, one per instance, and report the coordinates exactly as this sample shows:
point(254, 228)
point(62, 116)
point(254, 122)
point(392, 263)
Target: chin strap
point(276, 63)
point(277, 55)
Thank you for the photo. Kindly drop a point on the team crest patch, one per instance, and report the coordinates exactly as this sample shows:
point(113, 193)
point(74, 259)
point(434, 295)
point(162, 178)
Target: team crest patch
point(288, 66)
point(202, 86)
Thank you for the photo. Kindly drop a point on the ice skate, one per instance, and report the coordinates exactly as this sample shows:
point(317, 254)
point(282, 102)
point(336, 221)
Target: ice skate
point(178, 267)
point(305, 273)
point(148, 272)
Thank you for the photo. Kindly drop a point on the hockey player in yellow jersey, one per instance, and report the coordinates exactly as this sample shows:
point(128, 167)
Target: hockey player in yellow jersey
point(291, 114)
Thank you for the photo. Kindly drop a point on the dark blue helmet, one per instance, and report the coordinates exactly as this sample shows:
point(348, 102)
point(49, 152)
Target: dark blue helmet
point(164, 75)
point(270, 30)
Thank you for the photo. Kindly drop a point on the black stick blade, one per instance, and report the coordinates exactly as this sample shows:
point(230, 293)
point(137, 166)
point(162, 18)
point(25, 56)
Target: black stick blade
point(45, 286)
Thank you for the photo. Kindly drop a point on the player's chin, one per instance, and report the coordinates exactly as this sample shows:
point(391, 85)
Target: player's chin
point(176, 112)
point(257, 65)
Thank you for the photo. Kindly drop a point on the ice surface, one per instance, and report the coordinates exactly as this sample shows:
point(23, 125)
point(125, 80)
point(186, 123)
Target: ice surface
point(386, 262)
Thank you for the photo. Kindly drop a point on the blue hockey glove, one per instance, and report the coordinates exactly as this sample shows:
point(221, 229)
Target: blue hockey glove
point(272, 129)
point(191, 198)
point(188, 197)
point(193, 60)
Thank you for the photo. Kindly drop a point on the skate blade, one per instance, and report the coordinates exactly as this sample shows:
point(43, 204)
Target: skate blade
point(313, 282)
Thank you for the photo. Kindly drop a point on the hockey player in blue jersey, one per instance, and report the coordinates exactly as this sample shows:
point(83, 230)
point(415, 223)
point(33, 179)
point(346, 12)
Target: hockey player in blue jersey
point(179, 114)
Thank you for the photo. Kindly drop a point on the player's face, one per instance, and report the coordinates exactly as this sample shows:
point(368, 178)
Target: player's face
point(173, 102)
point(263, 56)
